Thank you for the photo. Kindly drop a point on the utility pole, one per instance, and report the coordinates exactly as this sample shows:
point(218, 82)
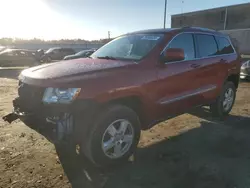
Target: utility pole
point(182, 17)
point(182, 4)
point(225, 20)
point(108, 34)
point(165, 13)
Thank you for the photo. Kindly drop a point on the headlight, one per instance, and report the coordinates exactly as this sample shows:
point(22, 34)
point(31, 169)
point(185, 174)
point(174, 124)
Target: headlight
point(60, 95)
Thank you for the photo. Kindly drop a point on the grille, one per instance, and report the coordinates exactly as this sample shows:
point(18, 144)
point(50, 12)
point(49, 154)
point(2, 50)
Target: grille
point(31, 95)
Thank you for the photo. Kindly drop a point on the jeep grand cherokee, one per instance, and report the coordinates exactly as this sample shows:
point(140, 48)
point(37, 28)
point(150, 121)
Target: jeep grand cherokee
point(131, 83)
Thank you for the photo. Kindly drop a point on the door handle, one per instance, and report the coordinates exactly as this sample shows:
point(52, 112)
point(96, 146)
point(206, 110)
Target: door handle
point(222, 60)
point(195, 65)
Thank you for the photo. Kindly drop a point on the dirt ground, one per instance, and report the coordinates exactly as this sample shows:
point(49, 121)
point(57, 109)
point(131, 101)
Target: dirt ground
point(193, 150)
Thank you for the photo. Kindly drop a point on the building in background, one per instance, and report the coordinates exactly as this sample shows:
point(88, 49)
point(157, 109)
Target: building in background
point(233, 20)
point(222, 18)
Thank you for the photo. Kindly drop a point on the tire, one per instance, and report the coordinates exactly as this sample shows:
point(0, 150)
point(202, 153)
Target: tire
point(217, 108)
point(93, 146)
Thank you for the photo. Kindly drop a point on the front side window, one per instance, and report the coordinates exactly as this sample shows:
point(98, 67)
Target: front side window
point(225, 46)
point(50, 50)
point(207, 45)
point(184, 41)
point(128, 47)
point(53, 50)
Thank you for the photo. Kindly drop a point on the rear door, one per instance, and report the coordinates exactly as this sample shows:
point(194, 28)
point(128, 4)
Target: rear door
point(210, 67)
point(177, 86)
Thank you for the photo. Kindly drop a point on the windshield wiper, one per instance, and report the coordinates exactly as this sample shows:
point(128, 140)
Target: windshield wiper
point(106, 57)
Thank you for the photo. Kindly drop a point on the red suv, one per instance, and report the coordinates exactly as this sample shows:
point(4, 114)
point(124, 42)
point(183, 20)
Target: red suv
point(102, 102)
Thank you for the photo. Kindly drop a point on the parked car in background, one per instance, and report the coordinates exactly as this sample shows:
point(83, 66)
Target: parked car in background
point(56, 53)
point(17, 57)
point(38, 54)
point(81, 54)
point(2, 48)
point(245, 70)
point(132, 83)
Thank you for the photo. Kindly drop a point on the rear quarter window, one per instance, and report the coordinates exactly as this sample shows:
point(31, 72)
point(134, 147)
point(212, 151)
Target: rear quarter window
point(225, 46)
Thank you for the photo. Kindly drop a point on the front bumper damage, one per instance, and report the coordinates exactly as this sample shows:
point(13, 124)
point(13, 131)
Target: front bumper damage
point(67, 119)
point(16, 114)
point(11, 117)
point(58, 115)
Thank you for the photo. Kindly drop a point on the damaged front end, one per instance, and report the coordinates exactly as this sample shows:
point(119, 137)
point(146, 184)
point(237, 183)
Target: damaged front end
point(57, 107)
point(62, 125)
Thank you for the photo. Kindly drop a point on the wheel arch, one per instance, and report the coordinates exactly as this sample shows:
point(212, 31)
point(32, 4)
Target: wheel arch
point(234, 78)
point(133, 102)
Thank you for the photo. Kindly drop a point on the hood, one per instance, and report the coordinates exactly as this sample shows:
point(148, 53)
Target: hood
point(70, 68)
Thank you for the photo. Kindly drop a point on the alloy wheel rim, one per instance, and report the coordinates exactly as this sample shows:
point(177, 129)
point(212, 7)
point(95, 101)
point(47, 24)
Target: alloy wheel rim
point(117, 138)
point(228, 99)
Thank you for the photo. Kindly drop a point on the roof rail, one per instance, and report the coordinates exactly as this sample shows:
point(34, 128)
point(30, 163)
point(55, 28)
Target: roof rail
point(201, 28)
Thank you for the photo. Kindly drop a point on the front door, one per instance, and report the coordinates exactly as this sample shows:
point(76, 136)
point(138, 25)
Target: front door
point(177, 87)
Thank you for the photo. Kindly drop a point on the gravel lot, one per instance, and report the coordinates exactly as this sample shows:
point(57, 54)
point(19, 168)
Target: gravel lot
point(193, 150)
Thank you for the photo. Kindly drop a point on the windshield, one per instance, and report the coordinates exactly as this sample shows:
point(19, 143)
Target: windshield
point(50, 50)
point(130, 47)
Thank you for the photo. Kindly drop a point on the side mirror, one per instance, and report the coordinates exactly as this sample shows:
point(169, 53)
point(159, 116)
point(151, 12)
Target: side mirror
point(174, 54)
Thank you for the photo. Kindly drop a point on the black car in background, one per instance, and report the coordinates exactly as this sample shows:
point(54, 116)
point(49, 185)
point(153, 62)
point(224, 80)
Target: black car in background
point(17, 57)
point(81, 54)
point(56, 53)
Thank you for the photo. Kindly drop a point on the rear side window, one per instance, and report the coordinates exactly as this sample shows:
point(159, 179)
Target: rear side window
point(207, 45)
point(225, 46)
point(184, 41)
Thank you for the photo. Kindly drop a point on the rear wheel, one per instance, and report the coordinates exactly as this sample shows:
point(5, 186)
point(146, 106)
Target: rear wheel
point(114, 136)
point(225, 101)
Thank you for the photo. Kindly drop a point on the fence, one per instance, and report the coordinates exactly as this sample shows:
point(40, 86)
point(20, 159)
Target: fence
point(76, 47)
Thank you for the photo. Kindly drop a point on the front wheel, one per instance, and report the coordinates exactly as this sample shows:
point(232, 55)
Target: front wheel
point(225, 101)
point(114, 136)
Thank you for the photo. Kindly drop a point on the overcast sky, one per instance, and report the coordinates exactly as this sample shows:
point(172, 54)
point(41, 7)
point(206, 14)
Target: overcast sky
point(90, 19)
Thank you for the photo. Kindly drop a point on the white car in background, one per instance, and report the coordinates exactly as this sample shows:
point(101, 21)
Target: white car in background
point(245, 70)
